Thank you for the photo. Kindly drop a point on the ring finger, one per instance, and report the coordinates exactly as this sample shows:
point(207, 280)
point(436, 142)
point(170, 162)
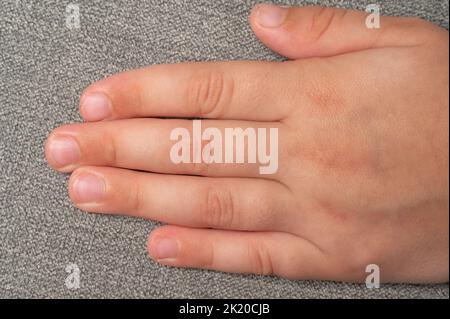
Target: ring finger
point(222, 203)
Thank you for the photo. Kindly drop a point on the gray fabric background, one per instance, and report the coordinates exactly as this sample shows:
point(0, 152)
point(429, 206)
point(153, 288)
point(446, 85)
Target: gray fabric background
point(44, 66)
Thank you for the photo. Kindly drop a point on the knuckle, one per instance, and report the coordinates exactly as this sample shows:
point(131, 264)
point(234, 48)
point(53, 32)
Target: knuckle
point(295, 149)
point(267, 210)
point(260, 259)
point(321, 90)
point(209, 92)
point(266, 215)
point(219, 208)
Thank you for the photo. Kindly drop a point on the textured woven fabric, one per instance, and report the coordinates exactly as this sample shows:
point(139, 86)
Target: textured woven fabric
point(44, 66)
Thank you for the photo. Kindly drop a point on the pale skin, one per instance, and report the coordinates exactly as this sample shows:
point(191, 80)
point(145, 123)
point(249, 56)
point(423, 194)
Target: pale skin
point(363, 169)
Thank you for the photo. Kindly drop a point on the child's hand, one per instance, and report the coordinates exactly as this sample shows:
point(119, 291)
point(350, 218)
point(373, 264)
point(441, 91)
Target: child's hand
point(362, 117)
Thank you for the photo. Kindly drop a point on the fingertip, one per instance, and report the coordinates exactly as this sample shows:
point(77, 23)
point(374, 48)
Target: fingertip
point(95, 105)
point(87, 187)
point(268, 15)
point(61, 151)
point(163, 245)
point(270, 24)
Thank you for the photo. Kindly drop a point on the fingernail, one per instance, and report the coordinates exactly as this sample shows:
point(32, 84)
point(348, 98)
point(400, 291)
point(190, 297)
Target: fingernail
point(64, 150)
point(89, 188)
point(270, 16)
point(96, 107)
point(165, 248)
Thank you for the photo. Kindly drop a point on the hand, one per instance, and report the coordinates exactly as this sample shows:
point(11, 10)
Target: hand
point(363, 164)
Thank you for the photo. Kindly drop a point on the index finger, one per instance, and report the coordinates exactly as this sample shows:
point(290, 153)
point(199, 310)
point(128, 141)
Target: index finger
point(217, 90)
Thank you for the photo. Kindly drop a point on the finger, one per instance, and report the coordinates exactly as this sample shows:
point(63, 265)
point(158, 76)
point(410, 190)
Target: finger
point(223, 203)
point(313, 31)
point(266, 253)
point(223, 90)
point(168, 146)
